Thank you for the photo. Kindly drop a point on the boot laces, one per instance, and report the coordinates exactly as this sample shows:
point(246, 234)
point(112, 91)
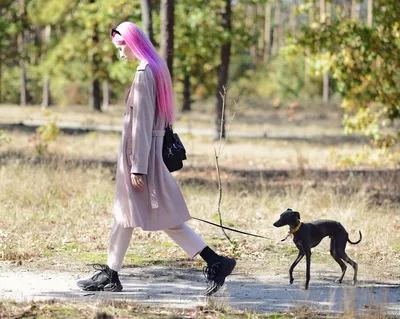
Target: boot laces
point(210, 272)
point(100, 269)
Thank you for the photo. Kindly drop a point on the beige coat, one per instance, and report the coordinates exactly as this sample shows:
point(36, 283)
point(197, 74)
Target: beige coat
point(160, 205)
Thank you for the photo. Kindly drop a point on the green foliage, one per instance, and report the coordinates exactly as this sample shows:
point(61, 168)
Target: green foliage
point(73, 56)
point(10, 84)
point(197, 42)
point(4, 138)
point(367, 156)
point(45, 134)
point(282, 78)
point(365, 62)
point(198, 37)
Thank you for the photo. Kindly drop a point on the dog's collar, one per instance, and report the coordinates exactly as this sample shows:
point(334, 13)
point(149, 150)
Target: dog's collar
point(295, 230)
point(292, 231)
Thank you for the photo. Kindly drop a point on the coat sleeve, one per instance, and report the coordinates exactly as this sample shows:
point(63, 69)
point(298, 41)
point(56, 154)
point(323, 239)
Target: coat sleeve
point(143, 112)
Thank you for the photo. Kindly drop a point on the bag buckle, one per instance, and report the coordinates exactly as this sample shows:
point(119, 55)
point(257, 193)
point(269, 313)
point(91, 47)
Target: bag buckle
point(170, 152)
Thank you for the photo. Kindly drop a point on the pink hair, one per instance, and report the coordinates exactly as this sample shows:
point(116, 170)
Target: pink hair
point(143, 49)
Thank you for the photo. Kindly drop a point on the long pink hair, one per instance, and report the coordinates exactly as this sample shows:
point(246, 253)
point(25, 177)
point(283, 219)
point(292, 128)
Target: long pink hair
point(143, 49)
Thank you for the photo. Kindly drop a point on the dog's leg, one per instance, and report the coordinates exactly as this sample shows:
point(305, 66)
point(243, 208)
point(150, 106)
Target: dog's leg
point(297, 260)
point(308, 263)
point(340, 245)
point(343, 255)
point(338, 260)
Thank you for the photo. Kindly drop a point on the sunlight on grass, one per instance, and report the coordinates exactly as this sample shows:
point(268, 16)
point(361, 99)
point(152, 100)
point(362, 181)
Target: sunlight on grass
point(59, 205)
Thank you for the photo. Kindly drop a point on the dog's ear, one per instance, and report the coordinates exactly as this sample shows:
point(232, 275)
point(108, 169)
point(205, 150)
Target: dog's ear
point(297, 214)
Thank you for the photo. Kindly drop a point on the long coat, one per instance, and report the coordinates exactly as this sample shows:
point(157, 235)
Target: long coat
point(161, 204)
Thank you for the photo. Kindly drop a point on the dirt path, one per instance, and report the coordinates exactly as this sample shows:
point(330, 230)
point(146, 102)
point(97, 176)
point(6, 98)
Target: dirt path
point(184, 287)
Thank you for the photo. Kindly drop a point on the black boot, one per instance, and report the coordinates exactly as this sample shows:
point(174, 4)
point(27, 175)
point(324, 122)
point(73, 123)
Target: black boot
point(217, 269)
point(104, 279)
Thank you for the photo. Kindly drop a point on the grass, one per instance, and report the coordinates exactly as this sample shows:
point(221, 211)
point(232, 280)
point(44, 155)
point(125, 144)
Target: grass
point(127, 309)
point(73, 186)
point(243, 117)
point(56, 209)
point(59, 209)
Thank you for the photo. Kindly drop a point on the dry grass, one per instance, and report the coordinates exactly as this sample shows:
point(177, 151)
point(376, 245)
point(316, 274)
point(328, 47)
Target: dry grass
point(127, 309)
point(57, 207)
point(56, 210)
point(104, 310)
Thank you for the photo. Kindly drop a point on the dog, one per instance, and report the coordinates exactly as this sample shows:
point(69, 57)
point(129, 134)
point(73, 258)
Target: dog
point(309, 235)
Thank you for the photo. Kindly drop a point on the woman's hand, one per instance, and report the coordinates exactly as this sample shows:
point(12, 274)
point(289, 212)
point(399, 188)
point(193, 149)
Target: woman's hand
point(137, 182)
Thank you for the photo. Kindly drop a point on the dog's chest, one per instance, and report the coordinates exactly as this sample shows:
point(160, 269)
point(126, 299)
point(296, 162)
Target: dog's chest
point(298, 241)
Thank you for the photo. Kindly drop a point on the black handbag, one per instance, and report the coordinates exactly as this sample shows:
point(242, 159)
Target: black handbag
point(173, 150)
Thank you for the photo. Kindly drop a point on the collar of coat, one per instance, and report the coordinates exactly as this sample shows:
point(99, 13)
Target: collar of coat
point(142, 65)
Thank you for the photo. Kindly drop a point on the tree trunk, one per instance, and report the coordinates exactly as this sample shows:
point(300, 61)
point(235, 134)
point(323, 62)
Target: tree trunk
point(106, 94)
point(369, 13)
point(306, 61)
point(95, 64)
point(186, 107)
point(275, 32)
point(325, 79)
point(95, 94)
point(267, 31)
point(167, 33)
point(260, 29)
point(23, 87)
point(46, 98)
point(322, 11)
point(347, 8)
point(253, 30)
point(354, 10)
point(328, 13)
point(1, 68)
point(147, 19)
point(223, 71)
point(1, 73)
point(281, 29)
point(292, 21)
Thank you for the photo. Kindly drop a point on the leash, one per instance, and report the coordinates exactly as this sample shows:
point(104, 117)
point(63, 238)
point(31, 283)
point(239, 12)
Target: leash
point(232, 229)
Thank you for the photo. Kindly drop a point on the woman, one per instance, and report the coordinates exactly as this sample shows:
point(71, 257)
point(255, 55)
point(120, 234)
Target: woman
point(146, 195)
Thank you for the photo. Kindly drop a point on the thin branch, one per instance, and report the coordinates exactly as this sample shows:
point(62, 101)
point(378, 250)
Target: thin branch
point(223, 95)
point(220, 196)
point(221, 148)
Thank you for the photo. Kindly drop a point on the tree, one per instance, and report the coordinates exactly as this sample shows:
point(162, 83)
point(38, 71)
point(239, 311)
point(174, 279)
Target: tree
point(325, 79)
point(22, 36)
point(223, 69)
point(147, 19)
point(167, 32)
point(267, 31)
point(365, 68)
point(46, 100)
point(94, 61)
point(197, 42)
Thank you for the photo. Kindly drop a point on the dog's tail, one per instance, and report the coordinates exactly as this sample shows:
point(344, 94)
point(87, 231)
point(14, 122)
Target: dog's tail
point(355, 243)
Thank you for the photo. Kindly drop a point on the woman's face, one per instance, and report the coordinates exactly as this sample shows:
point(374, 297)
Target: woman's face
point(125, 52)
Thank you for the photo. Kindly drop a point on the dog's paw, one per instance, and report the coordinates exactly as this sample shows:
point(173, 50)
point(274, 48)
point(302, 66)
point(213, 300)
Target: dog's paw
point(339, 281)
point(354, 282)
point(291, 280)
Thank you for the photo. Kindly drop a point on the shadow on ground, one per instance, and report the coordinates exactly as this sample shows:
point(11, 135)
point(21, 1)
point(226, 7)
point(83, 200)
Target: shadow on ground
point(183, 288)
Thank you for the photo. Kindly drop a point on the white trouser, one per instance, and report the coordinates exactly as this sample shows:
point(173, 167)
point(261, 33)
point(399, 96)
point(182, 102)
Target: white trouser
point(120, 238)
